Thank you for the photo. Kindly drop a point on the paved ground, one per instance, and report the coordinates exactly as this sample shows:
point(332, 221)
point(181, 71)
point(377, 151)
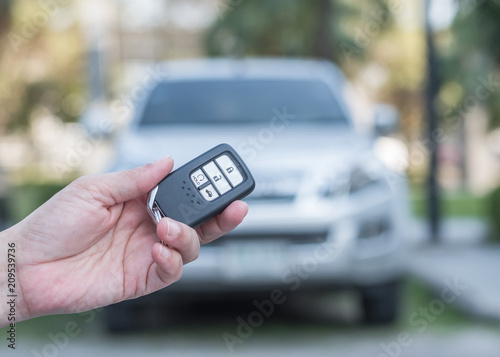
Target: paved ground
point(458, 230)
point(304, 328)
point(463, 260)
point(465, 268)
point(479, 342)
point(474, 269)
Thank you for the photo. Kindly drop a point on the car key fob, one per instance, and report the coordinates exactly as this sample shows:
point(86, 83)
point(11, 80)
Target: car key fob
point(202, 188)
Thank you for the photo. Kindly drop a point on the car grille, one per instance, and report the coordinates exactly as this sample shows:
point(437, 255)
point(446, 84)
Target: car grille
point(281, 187)
point(270, 197)
point(288, 238)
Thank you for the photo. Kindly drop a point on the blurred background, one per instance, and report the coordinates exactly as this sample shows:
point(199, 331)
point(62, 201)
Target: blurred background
point(65, 63)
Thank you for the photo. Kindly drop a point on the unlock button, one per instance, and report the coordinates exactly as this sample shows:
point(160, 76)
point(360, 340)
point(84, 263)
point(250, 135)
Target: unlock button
point(230, 170)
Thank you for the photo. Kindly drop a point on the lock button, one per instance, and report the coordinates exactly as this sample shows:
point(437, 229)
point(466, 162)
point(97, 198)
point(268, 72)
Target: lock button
point(230, 170)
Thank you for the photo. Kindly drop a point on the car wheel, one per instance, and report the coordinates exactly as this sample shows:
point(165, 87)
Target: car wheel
point(121, 317)
point(138, 314)
point(380, 303)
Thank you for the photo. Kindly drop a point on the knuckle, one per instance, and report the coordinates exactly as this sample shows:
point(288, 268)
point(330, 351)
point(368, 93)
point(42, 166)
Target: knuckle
point(82, 181)
point(87, 182)
point(192, 256)
point(177, 273)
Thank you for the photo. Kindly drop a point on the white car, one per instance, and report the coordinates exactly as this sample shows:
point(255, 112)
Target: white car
point(325, 213)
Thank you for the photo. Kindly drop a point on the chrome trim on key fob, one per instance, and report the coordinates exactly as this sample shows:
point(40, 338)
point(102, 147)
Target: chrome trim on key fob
point(153, 208)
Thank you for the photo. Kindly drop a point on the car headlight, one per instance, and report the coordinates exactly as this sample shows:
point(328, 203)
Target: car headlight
point(334, 184)
point(344, 182)
point(362, 178)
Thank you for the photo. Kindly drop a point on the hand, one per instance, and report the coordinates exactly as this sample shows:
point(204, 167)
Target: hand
point(93, 244)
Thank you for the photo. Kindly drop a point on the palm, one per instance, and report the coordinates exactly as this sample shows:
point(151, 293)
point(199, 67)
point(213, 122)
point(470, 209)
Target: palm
point(105, 259)
point(93, 244)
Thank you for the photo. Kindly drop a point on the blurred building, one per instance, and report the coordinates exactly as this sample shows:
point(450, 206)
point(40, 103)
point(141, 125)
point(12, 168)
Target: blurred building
point(128, 34)
point(124, 38)
point(121, 38)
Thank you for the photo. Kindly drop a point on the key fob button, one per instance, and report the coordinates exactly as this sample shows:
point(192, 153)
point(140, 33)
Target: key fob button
point(202, 188)
point(198, 178)
point(209, 193)
point(217, 177)
point(230, 170)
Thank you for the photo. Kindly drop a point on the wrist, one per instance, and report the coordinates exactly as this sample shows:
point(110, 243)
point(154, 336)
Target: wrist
point(13, 308)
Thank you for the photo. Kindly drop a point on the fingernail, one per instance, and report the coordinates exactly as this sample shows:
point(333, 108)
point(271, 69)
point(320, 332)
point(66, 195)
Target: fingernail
point(173, 229)
point(163, 158)
point(164, 252)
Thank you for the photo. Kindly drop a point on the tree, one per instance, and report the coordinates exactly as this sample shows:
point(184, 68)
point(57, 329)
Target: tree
point(59, 63)
point(315, 28)
point(5, 6)
point(474, 52)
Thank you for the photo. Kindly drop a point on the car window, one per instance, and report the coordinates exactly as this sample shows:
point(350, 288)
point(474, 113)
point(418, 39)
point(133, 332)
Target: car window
point(241, 101)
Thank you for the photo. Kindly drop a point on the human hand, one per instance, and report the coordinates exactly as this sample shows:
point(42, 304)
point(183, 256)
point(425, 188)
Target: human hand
point(93, 244)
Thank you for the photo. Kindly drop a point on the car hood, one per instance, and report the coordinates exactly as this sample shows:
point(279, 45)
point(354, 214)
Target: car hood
point(260, 147)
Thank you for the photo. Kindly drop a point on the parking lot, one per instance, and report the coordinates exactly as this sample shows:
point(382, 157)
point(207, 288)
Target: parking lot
point(312, 325)
point(363, 136)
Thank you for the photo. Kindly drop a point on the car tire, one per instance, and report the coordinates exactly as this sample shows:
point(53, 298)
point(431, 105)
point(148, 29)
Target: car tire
point(146, 312)
point(380, 303)
point(122, 317)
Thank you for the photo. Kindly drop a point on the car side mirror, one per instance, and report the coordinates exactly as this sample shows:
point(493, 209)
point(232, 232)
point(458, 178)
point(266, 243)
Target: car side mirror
point(386, 119)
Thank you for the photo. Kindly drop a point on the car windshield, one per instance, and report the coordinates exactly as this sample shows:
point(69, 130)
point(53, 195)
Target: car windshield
point(241, 101)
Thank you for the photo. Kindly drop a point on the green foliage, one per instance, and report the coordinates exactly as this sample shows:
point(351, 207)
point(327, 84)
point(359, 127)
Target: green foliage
point(494, 213)
point(29, 101)
point(40, 72)
point(43, 94)
point(5, 6)
point(461, 204)
point(26, 198)
point(474, 51)
point(290, 28)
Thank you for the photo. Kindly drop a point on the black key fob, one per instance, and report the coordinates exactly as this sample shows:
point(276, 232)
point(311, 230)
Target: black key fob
point(202, 188)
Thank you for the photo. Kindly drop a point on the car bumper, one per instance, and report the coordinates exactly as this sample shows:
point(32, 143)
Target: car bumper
point(303, 245)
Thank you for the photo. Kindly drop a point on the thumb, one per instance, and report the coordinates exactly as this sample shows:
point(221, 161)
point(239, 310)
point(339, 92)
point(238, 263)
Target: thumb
point(126, 185)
